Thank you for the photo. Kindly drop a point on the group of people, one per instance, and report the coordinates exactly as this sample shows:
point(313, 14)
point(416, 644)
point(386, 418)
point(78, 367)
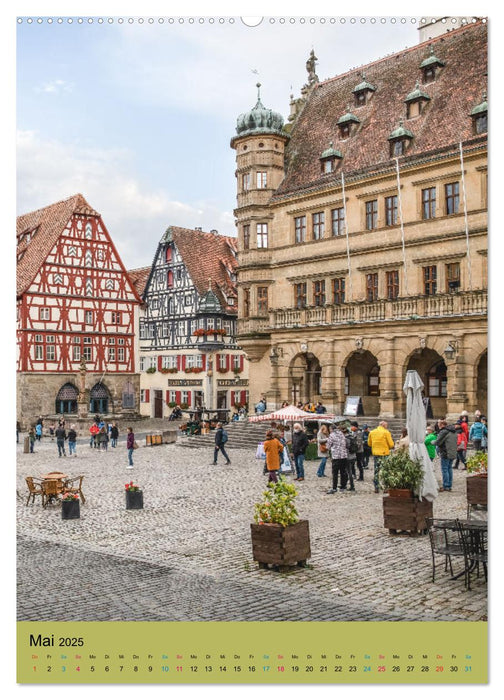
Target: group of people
point(101, 433)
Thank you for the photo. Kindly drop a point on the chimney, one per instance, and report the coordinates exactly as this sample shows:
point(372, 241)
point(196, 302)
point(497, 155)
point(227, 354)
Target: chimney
point(213, 230)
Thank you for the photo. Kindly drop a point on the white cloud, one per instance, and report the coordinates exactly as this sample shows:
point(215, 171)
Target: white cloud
point(135, 215)
point(55, 87)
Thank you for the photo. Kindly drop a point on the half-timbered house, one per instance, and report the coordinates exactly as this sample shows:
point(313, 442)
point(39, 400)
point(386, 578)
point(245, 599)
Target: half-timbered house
point(76, 311)
point(188, 351)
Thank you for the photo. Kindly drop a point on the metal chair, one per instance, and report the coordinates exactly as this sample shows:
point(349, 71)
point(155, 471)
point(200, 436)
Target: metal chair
point(74, 485)
point(34, 489)
point(444, 539)
point(474, 541)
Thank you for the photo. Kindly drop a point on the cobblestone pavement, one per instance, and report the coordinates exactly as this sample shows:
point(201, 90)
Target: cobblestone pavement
point(187, 555)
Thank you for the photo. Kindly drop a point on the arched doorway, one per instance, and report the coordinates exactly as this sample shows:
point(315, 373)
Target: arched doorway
point(482, 384)
point(305, 378)
point(433, 372)
point(99, 399)
point(362, 378)
point(66, 400)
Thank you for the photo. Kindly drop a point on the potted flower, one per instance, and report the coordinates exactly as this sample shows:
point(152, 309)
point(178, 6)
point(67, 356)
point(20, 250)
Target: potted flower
point(279, 537)
point(476, 482)
point(402, 478)
point(70, 506)
point(134, 497)
point(150, 370)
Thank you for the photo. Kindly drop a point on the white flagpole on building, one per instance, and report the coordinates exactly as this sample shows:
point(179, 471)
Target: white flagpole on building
point(465, 217)
point(399, 199)
point(350, 296)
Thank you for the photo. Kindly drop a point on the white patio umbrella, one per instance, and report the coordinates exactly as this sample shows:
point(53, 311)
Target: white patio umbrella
point(416, 423)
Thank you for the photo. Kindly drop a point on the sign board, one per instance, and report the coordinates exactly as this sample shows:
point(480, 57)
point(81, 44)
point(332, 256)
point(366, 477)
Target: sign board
point(428, 407)
point(353, 406)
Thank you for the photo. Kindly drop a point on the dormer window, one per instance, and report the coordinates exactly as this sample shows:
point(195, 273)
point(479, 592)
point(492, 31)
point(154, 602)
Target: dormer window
point(399, 140)
point(415, 102)
point(430, 67)
point(363, 92)
point(479, 116)
point(330, 159)
point(347, 124)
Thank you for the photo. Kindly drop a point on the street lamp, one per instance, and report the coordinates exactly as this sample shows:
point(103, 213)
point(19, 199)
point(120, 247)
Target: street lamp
point(450, 350)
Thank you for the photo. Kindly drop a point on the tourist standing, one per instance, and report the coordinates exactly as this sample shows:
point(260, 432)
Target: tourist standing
point(461, 445)
point(38, 432)
point(93, 430)
point(447, 445)
point(339, 455)
point(357, 432)
point(72, 441)
point(18, 430)
point(403, 443)
point(221, 437)
point(484, 437)
point(430, 442)
point(367, 449)
point(351, 444)
point(322, 449)
point(103, 435)
point(380, 441)
point(476, 433)
point(114, 434)
point(60, 440)
point(320, 408)
point(299, 444)
point(130, 446)
point(272, 448)
point(31, 438)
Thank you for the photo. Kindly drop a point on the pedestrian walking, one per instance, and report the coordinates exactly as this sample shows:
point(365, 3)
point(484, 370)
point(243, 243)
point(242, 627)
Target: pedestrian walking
point(447, 445)
point(367, 449)
point(61, 436)
point(38, 432)
point(461, 445)
point(130, 446)
point(273, 448)
point(221, 437)
point(339, 456)
point(114, 434)
point(72, 441)
point(299, 444)
point(103, 435)
point(52, 430)
point(380, 441)
point(322, 449)
point(360, 448)
point(477, 432)
point(31, 438)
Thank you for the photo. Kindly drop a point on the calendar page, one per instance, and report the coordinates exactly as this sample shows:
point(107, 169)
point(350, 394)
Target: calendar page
point(232, 233)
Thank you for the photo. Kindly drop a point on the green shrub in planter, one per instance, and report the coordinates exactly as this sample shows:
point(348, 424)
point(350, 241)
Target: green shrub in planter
point(399, 471)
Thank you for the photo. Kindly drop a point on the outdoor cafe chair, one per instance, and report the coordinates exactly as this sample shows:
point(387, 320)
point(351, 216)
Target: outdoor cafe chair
point(444, 539)
point(74, 485)
point(473, 535)
point(34, 489)
point(51, 490)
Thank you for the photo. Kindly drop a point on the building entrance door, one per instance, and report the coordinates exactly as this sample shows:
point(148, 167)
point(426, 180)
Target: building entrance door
point(158, 403)
point(222, 399)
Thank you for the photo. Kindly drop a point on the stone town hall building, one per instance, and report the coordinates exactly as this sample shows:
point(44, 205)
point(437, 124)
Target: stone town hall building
point(362, 232)
point(76, 315)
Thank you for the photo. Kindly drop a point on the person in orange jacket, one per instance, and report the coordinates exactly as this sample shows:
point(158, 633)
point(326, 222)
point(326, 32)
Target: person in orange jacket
point(272, 448)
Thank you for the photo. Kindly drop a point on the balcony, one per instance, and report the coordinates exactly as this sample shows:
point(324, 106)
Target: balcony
point(462, 304)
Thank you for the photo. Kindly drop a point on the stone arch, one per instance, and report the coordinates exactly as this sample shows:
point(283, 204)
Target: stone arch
point(100, 400)
point(482, 383)
point(66, 399)
point(362, 378)
point(433, 372)
point(305, 375)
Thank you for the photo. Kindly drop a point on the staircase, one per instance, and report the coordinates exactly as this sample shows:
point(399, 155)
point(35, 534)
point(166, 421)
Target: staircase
point(245, 435)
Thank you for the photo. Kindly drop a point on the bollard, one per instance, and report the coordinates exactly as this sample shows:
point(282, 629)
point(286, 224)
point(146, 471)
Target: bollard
point(26, 445)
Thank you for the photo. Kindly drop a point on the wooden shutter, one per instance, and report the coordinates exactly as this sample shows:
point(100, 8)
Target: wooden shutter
point(147, 395)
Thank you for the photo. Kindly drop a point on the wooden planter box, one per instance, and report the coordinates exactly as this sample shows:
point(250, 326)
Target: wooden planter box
point(281, 546)
point(477, 490)
point(406, 514)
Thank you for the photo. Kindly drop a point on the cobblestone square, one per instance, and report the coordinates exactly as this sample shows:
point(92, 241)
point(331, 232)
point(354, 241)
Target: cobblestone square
point(188, 556)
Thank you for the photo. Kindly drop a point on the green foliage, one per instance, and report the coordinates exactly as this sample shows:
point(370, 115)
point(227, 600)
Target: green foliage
point(399, 471)
point(277, 505)
point(478, 463)
point(150, 370)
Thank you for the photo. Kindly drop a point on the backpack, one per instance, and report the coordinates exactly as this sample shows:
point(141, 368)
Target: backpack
point(224, 437)
point(351, 444)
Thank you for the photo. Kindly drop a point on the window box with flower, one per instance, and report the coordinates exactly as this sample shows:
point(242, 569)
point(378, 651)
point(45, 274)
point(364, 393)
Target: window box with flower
point(70, 506)
point(168, 370)
point(150, 370)
point(134, 496)
point(279, 537)
point(194, 370)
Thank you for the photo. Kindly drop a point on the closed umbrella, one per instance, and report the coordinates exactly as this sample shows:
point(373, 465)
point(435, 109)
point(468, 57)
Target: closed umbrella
point(416, 423)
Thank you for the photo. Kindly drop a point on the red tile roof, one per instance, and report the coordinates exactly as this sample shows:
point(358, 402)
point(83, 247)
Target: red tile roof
point(458, 88)
point(209, 258)
point(46, 225)
point(139, 277)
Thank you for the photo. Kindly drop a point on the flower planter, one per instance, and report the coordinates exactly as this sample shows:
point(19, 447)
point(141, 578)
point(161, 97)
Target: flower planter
point(70, 510)
point(477, 490)
point(134, 500)
point(400, 493)
point(406, 514)
point(280, 546)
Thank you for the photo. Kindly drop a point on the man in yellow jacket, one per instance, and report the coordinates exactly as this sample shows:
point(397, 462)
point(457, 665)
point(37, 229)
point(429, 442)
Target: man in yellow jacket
point(380, 441)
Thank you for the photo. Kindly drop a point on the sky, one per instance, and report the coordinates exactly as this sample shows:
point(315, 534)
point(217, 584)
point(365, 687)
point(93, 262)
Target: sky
point(138, 117)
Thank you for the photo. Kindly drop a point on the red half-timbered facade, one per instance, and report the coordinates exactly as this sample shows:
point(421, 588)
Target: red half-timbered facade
point(76, 308)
